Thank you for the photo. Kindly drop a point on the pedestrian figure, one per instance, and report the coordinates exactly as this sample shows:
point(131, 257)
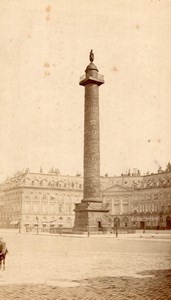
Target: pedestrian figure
point(3, 252)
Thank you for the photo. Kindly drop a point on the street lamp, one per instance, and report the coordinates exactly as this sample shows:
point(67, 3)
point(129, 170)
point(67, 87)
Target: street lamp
point(37, 219)
point(144, 225)
point(88, 230)
point(60, 224)
point(19, 223)
point(116, 225)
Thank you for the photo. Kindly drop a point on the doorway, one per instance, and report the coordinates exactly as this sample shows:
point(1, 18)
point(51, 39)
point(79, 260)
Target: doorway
point(168, 222)
point(99, 225)
point(142, 225)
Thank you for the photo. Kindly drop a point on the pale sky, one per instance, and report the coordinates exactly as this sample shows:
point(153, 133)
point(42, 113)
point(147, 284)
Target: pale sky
point(45, 49)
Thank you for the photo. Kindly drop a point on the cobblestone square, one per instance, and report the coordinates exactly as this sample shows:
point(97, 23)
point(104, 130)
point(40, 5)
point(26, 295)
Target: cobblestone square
point(53, 267)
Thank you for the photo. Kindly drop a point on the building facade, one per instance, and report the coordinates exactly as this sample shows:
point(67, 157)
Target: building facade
point(38, 201)
point(144, 205)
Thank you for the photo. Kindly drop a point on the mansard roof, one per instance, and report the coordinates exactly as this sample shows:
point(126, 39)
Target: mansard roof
point(54, 180)
point(156, 180)
point(39, 180)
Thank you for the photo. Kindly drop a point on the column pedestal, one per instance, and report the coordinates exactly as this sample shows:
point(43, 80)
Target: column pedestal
point(91, 217)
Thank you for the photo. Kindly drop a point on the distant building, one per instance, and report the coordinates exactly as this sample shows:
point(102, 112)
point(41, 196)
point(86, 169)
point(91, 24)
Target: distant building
point(42, 201)
point(145, 205)
point(39, 200)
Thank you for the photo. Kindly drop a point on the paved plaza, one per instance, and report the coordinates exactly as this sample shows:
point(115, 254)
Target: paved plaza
point(49, 267)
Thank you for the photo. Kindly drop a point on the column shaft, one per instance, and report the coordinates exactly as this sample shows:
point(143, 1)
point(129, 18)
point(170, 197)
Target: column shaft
point(91, 144)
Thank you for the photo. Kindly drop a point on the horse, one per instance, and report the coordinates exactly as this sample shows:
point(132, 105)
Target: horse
point(3, 252)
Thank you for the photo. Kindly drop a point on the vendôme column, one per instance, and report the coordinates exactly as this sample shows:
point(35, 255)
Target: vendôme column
point(92, 81)
point(89, 214)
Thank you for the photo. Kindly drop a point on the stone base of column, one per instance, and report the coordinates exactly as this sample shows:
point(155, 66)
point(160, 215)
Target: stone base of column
point(91, 217)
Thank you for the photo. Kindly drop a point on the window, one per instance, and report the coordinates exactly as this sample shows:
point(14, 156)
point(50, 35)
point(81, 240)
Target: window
point(161, 196)
point(27, 207)
point(44, 207)
point(116, 209)
point(61, 199)
point(60, 208)
point(125, 208)
point(165, 196)
point(35, 207)
point(52, 207)
point(155, 207)
point(134, 207)
point(148, 207)
point(68, 198)
point(163, 207)
point(155, 196)
point(69, 222)
point(68, 208)
point(142, 207)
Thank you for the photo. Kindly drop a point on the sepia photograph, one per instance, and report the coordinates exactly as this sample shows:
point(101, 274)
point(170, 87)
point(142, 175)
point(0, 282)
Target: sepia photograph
point(85, 150)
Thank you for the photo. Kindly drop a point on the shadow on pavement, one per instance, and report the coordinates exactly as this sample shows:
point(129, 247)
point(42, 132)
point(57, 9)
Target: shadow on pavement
point(147, 285)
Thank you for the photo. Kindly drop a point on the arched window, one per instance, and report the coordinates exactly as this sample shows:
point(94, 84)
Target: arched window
point(52, 183)
point(44, 182)
point(69, 222)
point(125, 222)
